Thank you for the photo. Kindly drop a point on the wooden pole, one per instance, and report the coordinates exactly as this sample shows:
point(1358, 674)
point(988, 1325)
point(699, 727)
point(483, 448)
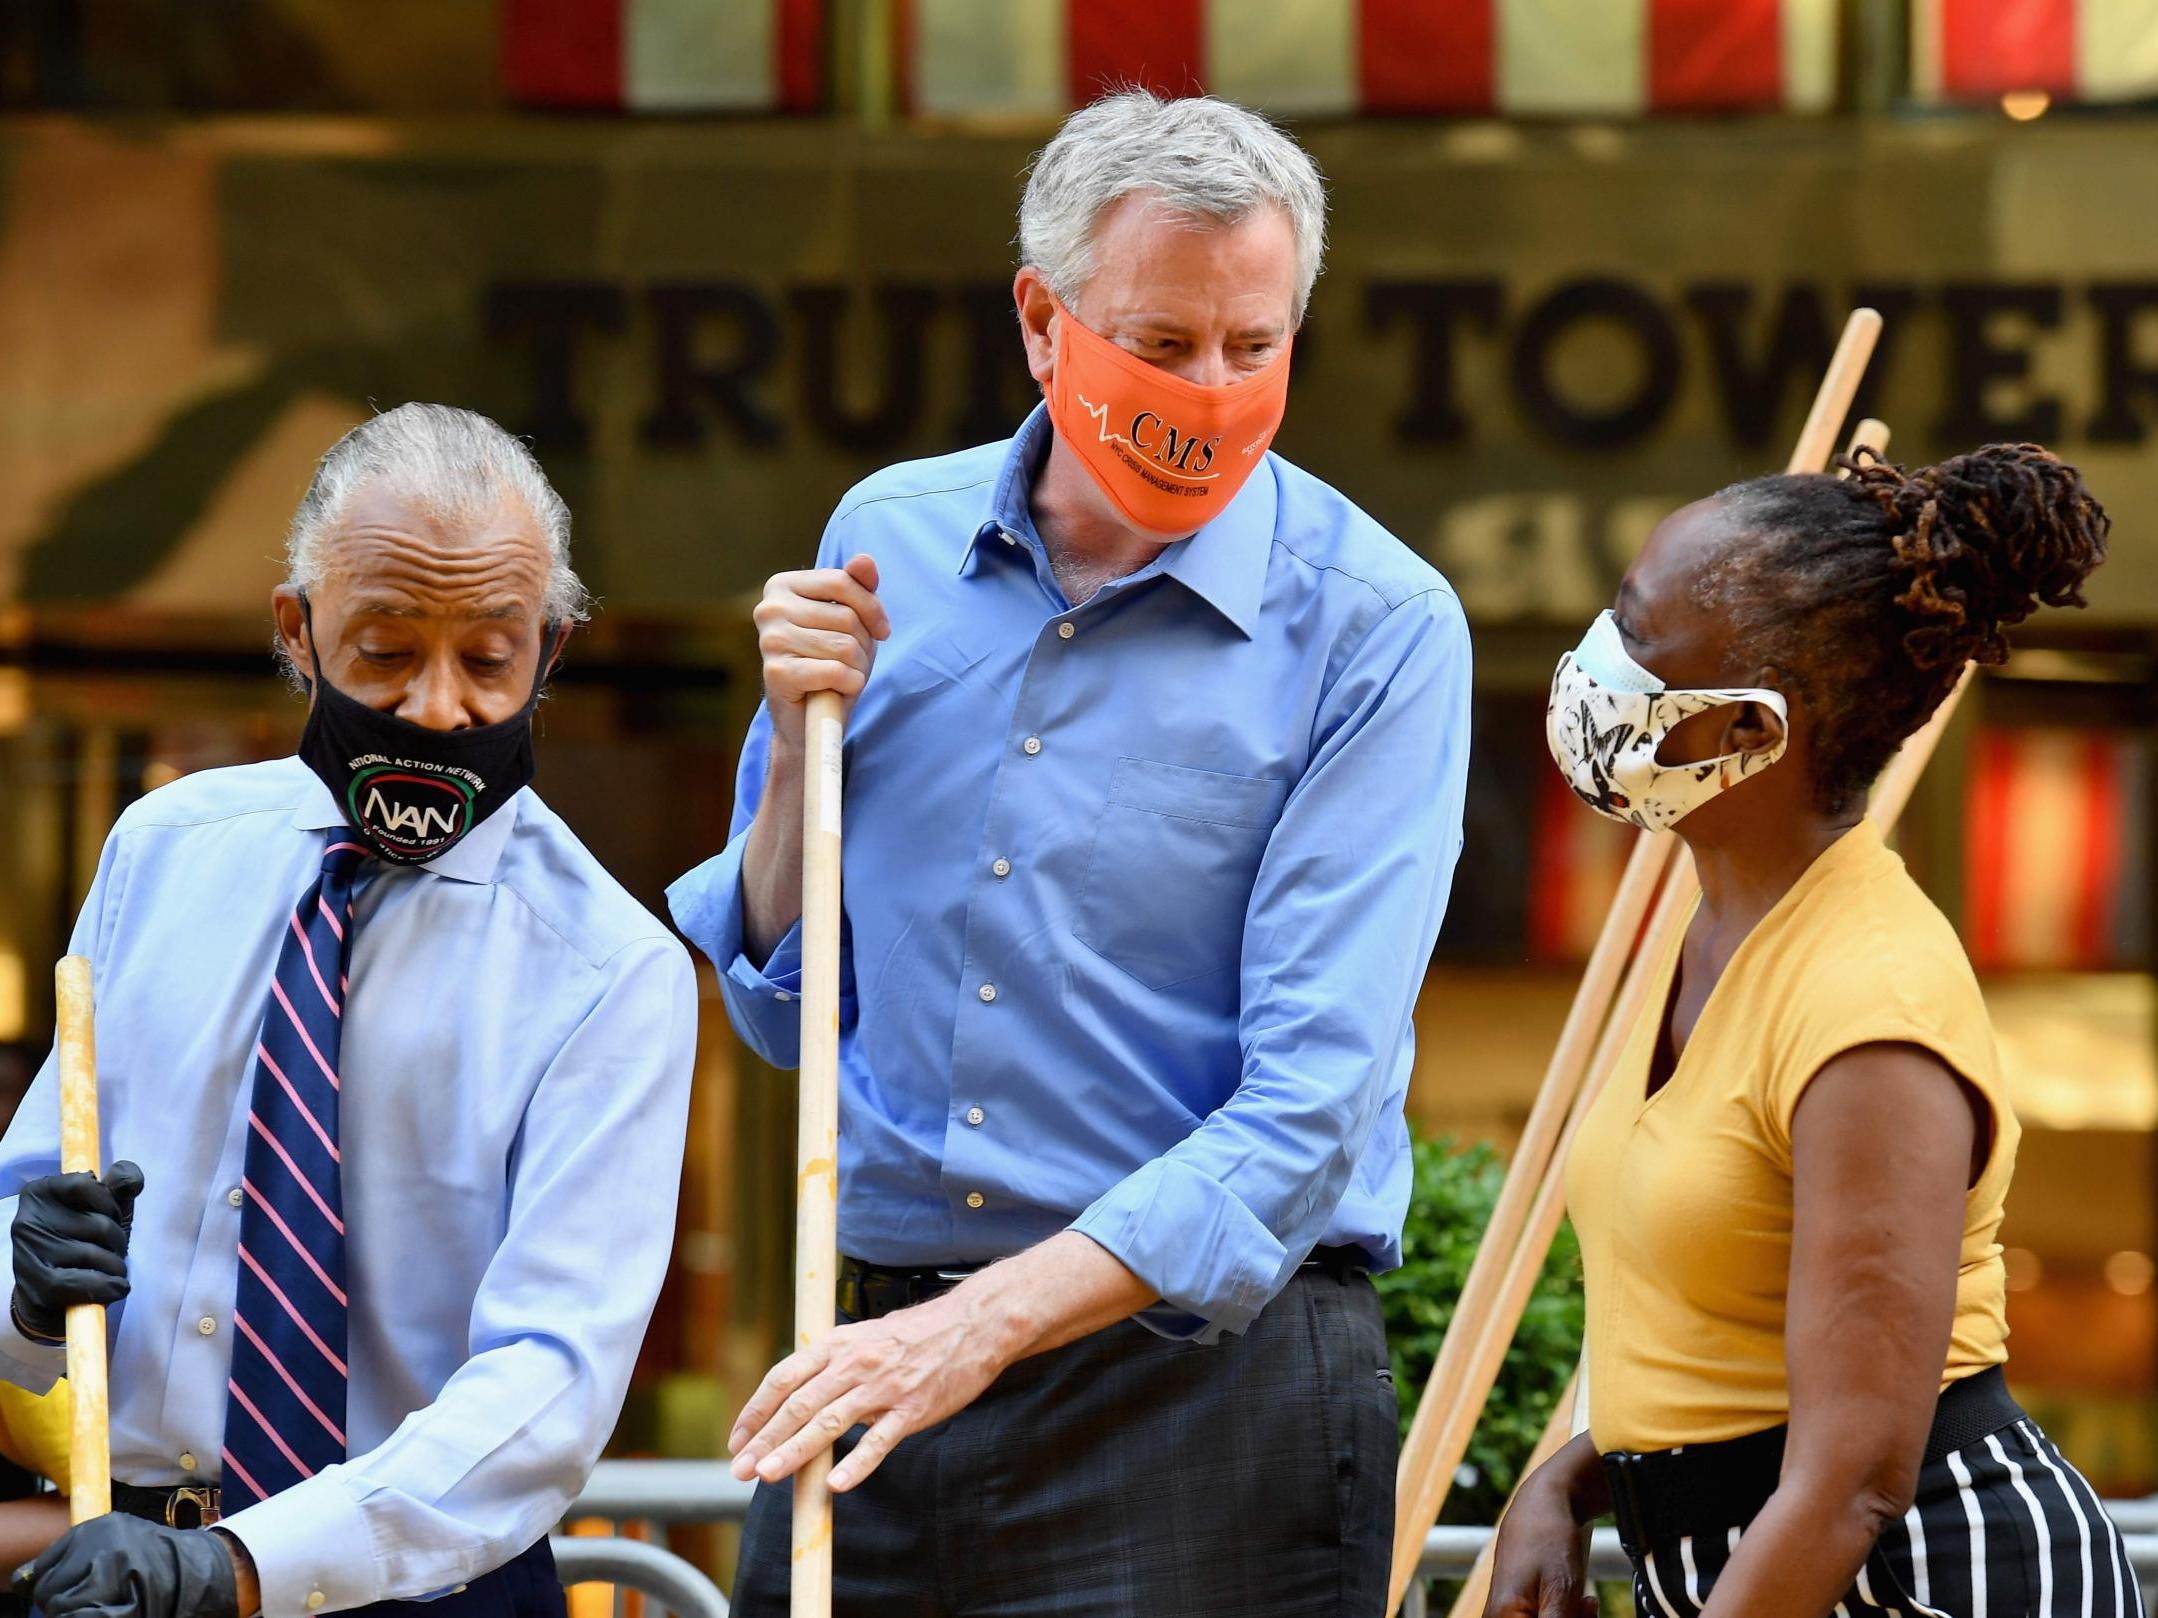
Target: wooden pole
point(1428, 1460)
point(1872, 433)
point(1476, 1588)
point(816, 1185)
point(1839, 386)
point(89, 1443)
point(1509, 1214)
point(1493, 1332)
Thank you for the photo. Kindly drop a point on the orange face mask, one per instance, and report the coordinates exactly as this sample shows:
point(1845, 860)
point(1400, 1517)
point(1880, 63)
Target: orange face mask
point(1170, 454)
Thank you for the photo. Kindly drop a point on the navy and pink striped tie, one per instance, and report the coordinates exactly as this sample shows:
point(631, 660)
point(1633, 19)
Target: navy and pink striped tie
point(285, 1411)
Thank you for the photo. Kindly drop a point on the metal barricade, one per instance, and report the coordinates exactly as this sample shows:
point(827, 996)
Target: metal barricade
point(664, 1492)
point(652, 1494)
point(657, 1493)
point(668, 1580)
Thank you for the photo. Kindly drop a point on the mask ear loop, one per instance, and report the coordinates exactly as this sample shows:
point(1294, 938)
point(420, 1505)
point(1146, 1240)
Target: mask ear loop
point(554, 638)
point(1773, 701)
point(314, 657)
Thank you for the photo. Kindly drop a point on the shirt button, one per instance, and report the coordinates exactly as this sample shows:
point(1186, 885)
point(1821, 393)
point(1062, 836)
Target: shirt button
point(1005, 535)
point(975, 1115)
point(1031, 746)
point(206, 1326)
point(1065, 631)
point(1001, 866)
point(187, 1460)
point(316, 1600)
point(974, 1199)
point(236, 1196)
point(988, 992)
point(782, 995)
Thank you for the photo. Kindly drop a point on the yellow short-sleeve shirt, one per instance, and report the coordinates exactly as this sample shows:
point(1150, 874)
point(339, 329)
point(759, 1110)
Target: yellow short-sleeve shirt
point(1683, 1199)
point(34, 1430)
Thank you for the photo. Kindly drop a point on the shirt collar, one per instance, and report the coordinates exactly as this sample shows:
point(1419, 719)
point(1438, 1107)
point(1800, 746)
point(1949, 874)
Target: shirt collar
point(1008, 515)
point(1223, 564)
point(472, 858)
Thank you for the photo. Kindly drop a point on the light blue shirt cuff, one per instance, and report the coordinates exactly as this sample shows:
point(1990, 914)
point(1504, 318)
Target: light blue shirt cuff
point(312, 1549)
point(1188, 1237)
point(31, 1366)
point(24, 1361)
point(707, 905)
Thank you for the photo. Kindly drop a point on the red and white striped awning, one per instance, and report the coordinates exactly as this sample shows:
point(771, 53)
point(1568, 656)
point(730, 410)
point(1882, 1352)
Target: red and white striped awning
point(2055, 871)
point(665, 55)
point(1322, 58)
point(2086, 50)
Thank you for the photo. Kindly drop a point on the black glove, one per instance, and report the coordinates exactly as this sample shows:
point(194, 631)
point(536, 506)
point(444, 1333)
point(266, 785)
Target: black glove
point(125, 1567)
point(71, 1245)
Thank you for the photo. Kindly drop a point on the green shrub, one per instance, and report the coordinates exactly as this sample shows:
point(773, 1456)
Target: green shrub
point(1455, 1189)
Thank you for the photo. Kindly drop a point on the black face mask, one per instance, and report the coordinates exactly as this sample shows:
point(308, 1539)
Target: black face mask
point(411, 793)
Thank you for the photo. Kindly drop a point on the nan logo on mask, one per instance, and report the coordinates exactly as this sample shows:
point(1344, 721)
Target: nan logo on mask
point(412, 793)
point(406, 809)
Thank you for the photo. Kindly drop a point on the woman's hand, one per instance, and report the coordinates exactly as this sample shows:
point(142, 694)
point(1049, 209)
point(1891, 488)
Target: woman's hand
point(1539, 1567)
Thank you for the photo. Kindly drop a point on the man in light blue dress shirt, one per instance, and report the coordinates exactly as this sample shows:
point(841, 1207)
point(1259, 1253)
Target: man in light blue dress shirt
point(409, 1146)
point(1149, 835)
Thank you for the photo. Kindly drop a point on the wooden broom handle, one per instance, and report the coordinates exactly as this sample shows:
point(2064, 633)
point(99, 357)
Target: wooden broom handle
point(816, 1183)
point(89, 1441)
point(1558, 1433)
point(1839, 386)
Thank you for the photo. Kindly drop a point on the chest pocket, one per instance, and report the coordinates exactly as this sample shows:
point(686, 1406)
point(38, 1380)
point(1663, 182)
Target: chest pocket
point(1175, 855)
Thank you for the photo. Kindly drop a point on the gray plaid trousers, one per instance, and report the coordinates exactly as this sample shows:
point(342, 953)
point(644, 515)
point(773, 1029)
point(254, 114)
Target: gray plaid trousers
point(1129, 1476)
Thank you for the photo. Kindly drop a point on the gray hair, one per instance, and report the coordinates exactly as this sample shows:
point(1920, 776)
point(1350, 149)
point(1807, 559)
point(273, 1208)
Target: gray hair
point(457, 464)
point(1204, 157)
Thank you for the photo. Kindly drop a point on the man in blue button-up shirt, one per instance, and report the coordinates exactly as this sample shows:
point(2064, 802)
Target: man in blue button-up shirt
point(1148, 840)
point(502, 1064)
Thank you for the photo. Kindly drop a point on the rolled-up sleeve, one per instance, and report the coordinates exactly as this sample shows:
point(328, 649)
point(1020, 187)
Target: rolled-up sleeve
point(1340, 928)
point(486, 1469)
point(707, 905)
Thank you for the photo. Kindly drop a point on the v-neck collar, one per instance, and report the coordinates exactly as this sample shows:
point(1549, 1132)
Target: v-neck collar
point(1851, 844)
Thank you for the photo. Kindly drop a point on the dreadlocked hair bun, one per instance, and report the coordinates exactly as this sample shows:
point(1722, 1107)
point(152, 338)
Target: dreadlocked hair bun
point(1869, 593)
point(1981, 542)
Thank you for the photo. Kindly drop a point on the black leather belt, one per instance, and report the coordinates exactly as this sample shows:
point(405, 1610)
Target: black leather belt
point(190, 1505)
point(1665, 1495)
point(868, 1291)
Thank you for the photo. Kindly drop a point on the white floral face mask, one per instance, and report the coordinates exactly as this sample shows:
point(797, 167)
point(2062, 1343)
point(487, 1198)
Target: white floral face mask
point(1609, 715)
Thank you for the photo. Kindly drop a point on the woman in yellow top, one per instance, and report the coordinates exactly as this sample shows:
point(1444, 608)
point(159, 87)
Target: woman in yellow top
point(33, 1445)
point(1788, 1193)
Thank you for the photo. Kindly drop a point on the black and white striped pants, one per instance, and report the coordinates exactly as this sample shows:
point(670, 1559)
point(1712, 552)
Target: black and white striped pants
point(2002, 1528)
